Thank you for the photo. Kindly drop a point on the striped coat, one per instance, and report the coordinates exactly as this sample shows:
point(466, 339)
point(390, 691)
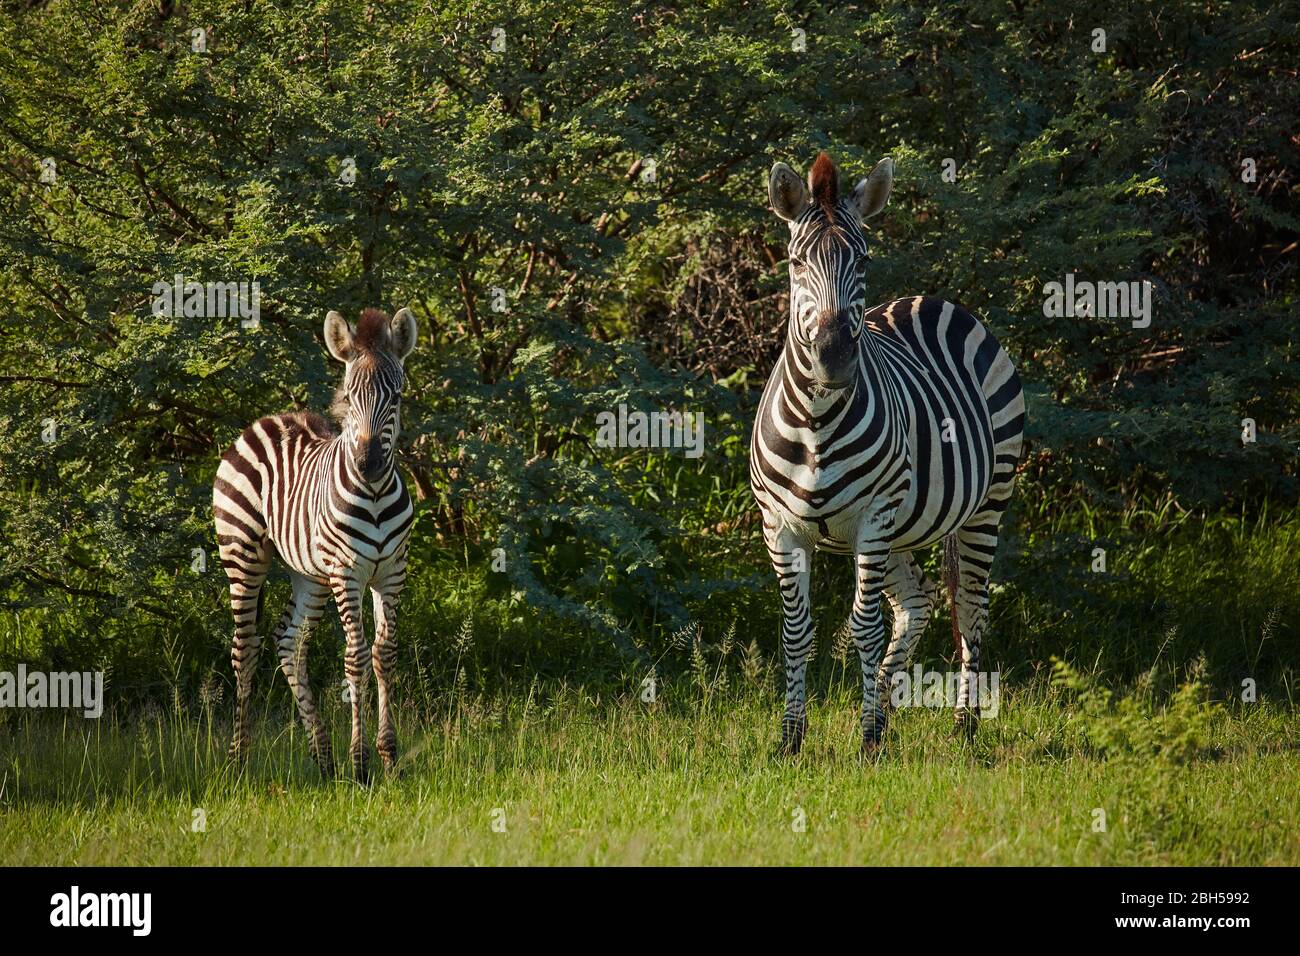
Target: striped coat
point(331, 503)
point(880, 431)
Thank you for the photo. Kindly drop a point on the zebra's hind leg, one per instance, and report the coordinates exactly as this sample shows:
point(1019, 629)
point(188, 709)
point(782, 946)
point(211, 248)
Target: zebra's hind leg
point(791, 559)
point(246, 564)
point(912, 598)
point(291, 637)
point(385, 659)
point(867, 628)
point(356, 666)
point(977, 541)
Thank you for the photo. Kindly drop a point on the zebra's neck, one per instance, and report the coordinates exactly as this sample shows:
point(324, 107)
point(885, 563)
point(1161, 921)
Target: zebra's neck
point(820, 405)
point(353, 482)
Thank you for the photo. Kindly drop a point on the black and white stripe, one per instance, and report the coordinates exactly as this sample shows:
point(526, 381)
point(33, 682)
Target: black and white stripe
point(880, 431)
point(333, 506)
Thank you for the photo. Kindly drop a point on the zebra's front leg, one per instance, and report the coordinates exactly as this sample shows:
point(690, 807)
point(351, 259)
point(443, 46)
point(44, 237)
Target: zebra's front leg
point(385, 659)
point(356, 667)
point(867, 628)
point(791, 560)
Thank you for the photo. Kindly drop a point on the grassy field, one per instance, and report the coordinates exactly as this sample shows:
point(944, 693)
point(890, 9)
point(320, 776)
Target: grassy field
point(564, 778)
point(510, 718)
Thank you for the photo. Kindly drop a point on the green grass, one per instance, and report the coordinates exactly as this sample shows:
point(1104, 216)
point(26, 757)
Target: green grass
point(504, 708)
point(689, 780)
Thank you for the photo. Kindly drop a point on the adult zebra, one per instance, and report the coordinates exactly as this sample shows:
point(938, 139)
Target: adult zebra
point(879, 432)
point(334, 508)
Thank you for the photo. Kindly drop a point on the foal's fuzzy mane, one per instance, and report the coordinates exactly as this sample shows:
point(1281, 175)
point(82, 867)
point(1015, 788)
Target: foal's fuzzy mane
point(373, 331)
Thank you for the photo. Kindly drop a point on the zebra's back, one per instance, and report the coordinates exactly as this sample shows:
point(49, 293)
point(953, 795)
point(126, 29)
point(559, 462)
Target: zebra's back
point(269, 487)
point(965, 412)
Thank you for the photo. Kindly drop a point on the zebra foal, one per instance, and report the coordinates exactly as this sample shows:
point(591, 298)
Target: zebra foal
point(333, 506)
point(880, 431)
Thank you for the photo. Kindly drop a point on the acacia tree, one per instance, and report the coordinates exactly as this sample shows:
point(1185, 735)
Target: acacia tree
point(493, 169)
point(549, 187)
point(1036, 141)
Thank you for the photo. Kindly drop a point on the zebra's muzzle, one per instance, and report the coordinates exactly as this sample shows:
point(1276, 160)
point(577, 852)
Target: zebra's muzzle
point(834, 352)
point(370, 459)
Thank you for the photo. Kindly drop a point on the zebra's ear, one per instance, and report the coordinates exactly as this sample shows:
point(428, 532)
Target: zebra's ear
point(786, 192)
point(404, 332)
point(338, 337)
point(871, 194)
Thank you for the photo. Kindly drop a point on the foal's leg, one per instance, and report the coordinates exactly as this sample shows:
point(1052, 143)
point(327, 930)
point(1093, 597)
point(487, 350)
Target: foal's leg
point(385, 597)
point(246, 563)
point(356, 666)
point(291, 637)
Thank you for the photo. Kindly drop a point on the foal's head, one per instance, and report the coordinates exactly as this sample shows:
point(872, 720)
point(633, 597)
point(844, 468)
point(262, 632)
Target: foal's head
point(369, 400)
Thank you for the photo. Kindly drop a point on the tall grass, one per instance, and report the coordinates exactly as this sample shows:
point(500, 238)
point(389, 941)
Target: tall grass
point(562, 774)
point(506, 715)
point(1177, 587)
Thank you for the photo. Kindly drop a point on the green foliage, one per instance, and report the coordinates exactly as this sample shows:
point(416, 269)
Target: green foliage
point(525, 170)
point(1117, 166)
point(586, 778)
point(477, 171)
point(1133, 725)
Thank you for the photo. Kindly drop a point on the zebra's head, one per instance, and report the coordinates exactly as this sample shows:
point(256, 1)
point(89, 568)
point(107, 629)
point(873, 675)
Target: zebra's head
point(369, 400)
point(828, 259)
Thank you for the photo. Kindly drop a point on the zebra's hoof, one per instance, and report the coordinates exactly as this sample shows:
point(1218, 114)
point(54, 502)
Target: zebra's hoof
point(873, 733)
point(388, 754)
point(361, 767)
point(792, 734)
point(326, 764)
point(965, 725)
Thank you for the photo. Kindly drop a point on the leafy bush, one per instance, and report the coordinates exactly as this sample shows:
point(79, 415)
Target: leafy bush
point(1134, 726)
point(579, 220)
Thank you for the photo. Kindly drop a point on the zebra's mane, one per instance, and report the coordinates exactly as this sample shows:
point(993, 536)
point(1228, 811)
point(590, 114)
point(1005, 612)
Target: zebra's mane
point(316, 426)
point(824, 185)
point(825, 182)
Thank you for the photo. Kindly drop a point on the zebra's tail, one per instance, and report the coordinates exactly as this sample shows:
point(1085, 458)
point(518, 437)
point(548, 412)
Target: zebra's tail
point(951, 576)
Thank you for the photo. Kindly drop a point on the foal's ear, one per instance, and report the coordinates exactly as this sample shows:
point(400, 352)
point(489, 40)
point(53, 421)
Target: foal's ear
point(786, 192)
point(338, 337)
point(871, 194)
point(404, 332)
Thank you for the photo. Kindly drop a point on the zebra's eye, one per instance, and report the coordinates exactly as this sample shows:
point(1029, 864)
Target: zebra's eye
point(797, 264)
